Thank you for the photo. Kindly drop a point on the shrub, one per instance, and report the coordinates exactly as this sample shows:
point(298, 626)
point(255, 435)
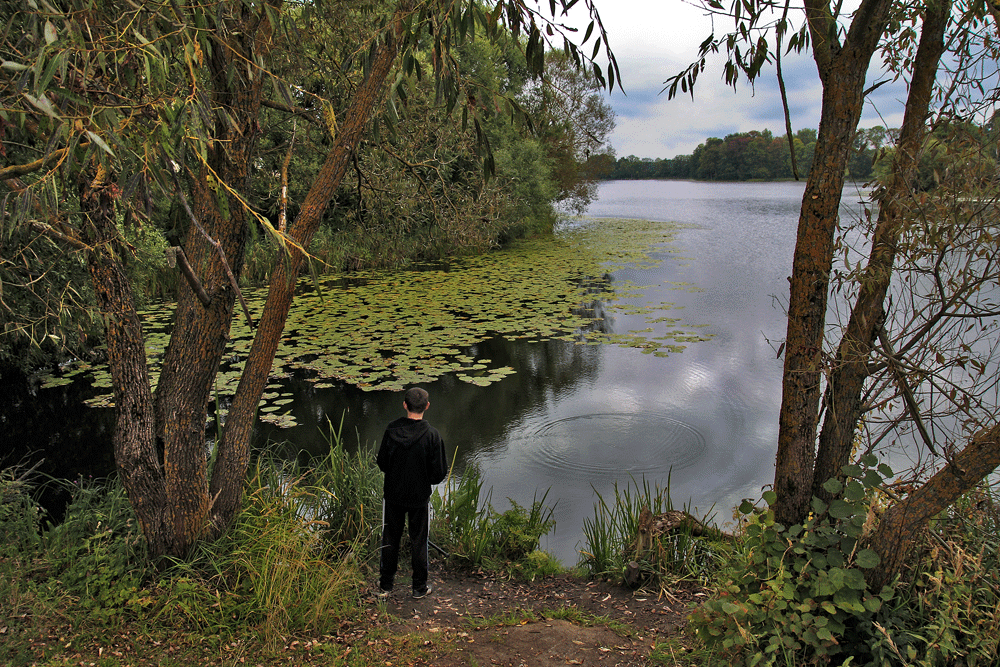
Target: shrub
point(798, 594)
point(477, 534)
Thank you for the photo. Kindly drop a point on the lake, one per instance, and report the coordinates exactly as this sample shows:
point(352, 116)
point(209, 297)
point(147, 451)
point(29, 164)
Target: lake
point(575, 419)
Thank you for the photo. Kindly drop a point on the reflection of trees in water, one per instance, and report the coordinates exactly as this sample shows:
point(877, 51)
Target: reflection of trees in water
point(478, 417)
point(54, 426)
point(471, 418)
point(594, 308)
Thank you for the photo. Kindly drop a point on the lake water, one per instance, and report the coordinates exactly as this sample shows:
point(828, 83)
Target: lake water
point(575, 419)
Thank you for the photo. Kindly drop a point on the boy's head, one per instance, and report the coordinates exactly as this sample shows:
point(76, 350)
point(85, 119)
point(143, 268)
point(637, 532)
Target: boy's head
point(416, 400)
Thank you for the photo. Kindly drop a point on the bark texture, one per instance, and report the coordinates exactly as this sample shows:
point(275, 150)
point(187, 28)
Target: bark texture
point(842, 400)
point(842, 70)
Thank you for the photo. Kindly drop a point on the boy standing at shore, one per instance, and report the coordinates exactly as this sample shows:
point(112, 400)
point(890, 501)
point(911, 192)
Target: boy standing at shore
point(413, 459)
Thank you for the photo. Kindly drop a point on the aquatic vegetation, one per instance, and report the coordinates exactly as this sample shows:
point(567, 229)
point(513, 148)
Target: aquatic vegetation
point(382, 330)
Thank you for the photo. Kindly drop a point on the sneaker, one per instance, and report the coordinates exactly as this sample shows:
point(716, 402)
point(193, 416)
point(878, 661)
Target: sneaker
point(417, 594)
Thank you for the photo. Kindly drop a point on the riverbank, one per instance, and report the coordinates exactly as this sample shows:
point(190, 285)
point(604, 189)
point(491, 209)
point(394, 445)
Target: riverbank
point(473, 617)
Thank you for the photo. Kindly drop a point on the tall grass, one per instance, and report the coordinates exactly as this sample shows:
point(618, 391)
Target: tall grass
point(476, 534)
point(611, 532)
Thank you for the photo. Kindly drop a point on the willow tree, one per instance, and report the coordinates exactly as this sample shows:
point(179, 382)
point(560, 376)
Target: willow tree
point(117, 105)
point(875, 363)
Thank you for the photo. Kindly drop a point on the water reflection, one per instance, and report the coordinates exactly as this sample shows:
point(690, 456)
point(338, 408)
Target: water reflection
point(578, 418)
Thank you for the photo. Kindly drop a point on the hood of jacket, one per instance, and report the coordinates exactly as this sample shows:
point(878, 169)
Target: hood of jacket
point(406, 431)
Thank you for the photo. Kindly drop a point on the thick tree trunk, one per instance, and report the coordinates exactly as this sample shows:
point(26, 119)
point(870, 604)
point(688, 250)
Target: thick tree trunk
point(842, 400)
point(171, 497)
point(234, 447)
point(135, 455)
point(904, 522)
point(842, 70)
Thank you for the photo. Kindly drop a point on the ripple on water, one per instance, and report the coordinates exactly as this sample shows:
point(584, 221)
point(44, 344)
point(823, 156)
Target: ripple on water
point(595, 446)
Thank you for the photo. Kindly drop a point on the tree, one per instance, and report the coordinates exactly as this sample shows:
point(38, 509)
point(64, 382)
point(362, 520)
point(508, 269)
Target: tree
point(130, 103)
point(575, 123)
point(843, 49)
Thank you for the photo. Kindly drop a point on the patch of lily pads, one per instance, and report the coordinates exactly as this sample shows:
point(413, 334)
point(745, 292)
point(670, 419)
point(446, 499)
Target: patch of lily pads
point(387, 330)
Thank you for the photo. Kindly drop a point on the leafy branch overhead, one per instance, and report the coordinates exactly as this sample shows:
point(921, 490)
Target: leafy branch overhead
point(128, 119)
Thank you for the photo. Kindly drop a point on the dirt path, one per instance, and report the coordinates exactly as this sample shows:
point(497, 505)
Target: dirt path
point(475, 619)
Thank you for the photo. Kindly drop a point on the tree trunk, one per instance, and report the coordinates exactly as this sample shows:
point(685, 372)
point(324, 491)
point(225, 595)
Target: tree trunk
point(234, 447)
point(171, 496)
point(903, 523)
point(842, 71)
point(842, 400)
point(135, 455)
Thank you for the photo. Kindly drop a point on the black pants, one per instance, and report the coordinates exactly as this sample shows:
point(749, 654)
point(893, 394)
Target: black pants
point(393, 518)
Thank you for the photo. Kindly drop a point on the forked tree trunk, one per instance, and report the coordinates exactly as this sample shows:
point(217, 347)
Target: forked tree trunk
point(234, 446)
point(845, 386)
point(842, 70)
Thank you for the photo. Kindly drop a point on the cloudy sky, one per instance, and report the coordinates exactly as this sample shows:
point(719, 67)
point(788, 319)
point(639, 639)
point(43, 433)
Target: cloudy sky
point(655, 39)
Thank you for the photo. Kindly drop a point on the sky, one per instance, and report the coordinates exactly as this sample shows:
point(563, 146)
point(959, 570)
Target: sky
point(656, 39)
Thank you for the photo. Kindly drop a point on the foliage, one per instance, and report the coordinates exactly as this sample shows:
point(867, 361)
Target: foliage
point(270, 570)
point(348, 498)
point(756, 156)
point(97, 553)
point(609, 537)
point(475, 533)
point(944, 608)
point(797, 594)
point(20, 515)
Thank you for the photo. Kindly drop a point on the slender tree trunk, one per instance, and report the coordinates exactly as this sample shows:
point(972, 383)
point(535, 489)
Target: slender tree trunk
point(234, 447)
point(842, 71)
point(842, 400)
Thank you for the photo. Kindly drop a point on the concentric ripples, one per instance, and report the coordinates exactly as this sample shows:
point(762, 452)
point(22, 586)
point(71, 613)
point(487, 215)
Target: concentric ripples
point(597, 446)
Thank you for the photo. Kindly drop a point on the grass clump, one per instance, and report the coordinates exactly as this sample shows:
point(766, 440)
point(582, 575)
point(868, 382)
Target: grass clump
point(610, 538)
point(474, 533)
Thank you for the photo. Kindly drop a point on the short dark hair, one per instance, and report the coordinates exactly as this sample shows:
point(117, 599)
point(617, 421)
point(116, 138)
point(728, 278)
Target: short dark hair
point(416, 399)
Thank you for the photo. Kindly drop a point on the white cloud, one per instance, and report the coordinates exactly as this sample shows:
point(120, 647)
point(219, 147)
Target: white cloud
point(654, 40)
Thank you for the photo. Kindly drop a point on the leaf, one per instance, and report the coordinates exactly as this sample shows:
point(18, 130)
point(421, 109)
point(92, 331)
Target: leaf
point(840, 509)
point(42, 104)
point(100, 142)
point(867, 558)
point(833, 486)
point(12, 66)
point(51, 34)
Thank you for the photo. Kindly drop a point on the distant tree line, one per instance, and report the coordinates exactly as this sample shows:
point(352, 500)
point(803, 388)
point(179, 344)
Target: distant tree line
point(749, 156)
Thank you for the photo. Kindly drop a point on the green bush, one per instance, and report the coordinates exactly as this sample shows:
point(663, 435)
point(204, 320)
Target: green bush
point(945, 608)
point(20, 515)
point(98, 553)
point(798, 594)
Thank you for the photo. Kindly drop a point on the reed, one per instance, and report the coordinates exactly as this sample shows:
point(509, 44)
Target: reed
point(611, 532)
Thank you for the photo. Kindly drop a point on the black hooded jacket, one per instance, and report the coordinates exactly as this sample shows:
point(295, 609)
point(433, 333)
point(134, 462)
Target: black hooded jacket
point(413, 459)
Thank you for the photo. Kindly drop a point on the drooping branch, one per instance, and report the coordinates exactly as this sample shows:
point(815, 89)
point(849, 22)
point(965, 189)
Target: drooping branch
point(176, 256)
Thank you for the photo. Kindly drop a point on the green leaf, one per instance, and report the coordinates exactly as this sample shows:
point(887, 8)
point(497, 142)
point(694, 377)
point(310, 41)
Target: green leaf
point(867, 558)
point(833, 486)
point(840, 509)
point(100, 142)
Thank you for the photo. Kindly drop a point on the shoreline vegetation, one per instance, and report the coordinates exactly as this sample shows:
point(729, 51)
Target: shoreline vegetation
point(291, 580)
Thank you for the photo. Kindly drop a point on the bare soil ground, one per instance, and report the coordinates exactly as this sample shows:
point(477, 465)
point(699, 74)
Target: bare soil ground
point(476, 619)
